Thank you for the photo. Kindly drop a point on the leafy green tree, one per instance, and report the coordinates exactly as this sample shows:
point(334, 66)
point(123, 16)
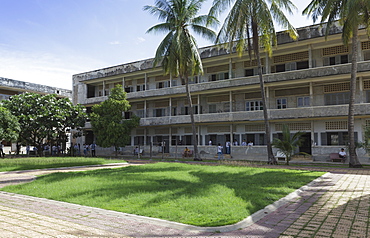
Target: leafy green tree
point(108, 123)
point(352, 14)
point(9, 126)
point(44, 117)
point(289, 143)
point(178, 52)
point(250, 25)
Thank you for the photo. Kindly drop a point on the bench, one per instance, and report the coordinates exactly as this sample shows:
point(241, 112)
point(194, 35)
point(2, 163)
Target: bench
point(280, 156)
point(334, 157)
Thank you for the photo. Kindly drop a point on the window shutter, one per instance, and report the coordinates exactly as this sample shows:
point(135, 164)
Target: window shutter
point(324, 138)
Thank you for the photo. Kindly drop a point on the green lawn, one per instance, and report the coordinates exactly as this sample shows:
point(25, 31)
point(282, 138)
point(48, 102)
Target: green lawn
point(50, 162)
point(193, 194)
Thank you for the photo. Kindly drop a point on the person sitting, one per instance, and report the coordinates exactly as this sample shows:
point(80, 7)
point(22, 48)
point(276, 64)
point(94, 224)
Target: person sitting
point(342, 154)
point(186, 152)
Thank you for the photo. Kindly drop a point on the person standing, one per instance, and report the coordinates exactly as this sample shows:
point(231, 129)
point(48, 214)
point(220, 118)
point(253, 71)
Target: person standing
point(219, 151)
point(228, 145)
point(2, 154)
point(93, 146)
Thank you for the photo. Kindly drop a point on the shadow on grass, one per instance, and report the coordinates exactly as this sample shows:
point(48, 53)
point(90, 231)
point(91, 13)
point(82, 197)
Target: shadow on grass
point(170, 183)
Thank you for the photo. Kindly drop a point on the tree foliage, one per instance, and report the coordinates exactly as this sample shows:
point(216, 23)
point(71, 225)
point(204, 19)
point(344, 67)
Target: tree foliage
point(9, 126)
point(178, 52)
point(351, 14)
point(108, 123)
point(289, 143)
point(249, 26)
point(44, 117)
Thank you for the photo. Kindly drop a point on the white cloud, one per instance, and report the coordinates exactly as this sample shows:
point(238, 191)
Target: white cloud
point(140, 40)
point(44, 68)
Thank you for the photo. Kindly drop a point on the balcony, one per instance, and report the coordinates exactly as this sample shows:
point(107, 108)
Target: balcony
point(274, 114)
point(318, 72)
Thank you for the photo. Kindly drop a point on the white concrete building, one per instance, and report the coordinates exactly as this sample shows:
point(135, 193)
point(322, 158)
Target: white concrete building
point(307, 88)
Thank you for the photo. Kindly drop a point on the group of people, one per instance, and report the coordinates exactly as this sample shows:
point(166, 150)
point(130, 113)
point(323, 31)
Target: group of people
point(86, 148)
point(220, 148)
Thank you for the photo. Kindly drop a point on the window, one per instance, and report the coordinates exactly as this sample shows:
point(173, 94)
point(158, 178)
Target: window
point(249, 72)
point(280, 68)
point(337, 98)
point(90, 91)
point(159, 112)
point(128, 89)
point(254, 105)
point(139, 113)
point(302, 65)
point(219, 76)
point(281, 103)
point(303, 101)
point(338, 59)
point(212, 108)
point(164, 84)
point(140, 88)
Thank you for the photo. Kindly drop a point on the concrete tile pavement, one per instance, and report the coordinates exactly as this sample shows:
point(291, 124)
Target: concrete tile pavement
point(336, 205)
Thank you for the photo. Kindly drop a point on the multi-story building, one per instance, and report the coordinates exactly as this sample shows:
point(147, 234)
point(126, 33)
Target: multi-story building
point(307, 88)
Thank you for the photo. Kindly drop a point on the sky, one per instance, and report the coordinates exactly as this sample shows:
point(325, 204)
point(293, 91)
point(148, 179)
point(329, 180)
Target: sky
point(48, 41)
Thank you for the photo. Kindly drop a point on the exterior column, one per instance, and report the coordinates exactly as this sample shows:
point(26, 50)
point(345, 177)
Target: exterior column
point(267, 64)
point(198, 140)
point(230, 68)
point(145, 135)
point(145, 111)
point(104, 89)
point(311, 95)
point(123, 83)
point(361, 89)
point(231, 101)
point(146, 81)
point(267, 93)
point(170, 108)
point(310, 56)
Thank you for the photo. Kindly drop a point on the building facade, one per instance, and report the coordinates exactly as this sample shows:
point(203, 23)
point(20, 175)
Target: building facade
point(307, 88)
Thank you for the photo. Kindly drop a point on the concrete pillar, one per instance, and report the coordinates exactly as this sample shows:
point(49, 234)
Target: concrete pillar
point(267, 63)
point(104, 88)
point(361, 89)
point(145, 110)
point(170, 107)
point(231, 101)
point(146, 81)
point(230, 68)
point(311, 95)
point(310, 56)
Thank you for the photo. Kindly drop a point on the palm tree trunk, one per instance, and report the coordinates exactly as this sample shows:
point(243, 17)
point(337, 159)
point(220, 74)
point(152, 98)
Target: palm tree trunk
point(353, 159)
point(191, 113)
point(270, 156)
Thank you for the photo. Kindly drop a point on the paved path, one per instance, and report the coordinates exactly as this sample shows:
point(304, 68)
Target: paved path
point(335, 205)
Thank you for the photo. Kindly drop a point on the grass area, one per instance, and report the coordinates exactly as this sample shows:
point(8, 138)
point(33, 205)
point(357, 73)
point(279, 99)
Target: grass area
point(200, 195)
point(50, 162)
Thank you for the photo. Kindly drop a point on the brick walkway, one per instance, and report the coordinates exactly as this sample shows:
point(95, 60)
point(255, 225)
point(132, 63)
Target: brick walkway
point(336, 205)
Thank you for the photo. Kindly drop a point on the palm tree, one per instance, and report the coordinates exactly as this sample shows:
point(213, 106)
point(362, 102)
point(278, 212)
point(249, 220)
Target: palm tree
point(351, 14)
point(178, 52)
point(250, 23)
point(289, 143)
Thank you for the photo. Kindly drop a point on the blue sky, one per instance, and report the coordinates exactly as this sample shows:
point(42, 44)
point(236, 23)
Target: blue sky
point(47, 41)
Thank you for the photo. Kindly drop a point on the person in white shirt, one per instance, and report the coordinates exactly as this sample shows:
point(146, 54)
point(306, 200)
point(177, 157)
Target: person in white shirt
point(219, 151)
point(228, 145)
point(342, 154)
point(244, 143)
